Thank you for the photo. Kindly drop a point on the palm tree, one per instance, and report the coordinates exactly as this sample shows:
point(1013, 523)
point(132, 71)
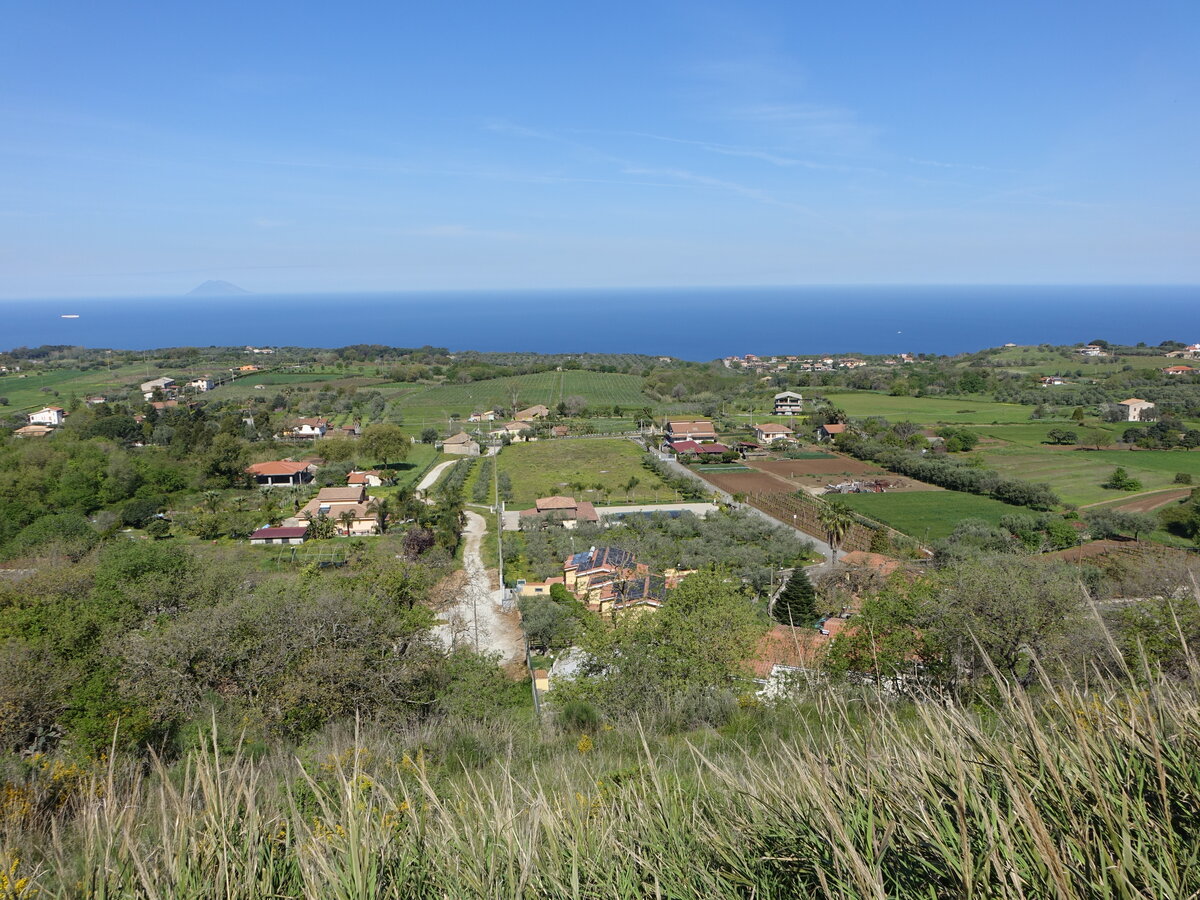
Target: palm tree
point(379, 507)
point(347, 517)
point(212, 499)
point(836, 521)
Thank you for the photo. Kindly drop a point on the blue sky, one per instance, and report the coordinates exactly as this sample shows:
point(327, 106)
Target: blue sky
point(146, 147)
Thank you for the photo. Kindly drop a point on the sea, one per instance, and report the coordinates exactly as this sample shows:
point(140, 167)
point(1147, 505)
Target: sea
point(685, 323)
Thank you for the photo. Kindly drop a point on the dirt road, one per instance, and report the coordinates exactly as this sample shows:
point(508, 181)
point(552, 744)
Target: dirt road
point(476, 618)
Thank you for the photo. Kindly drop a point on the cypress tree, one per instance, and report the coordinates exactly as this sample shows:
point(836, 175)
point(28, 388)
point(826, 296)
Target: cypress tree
point(797, 602)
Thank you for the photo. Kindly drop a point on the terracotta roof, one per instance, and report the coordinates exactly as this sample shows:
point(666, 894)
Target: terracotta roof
point(700, 426)
point(460, 438)
point(278, 467)
point(1131, 401)
point(547, 503)
point(834, 429)
point(34, 430)
point(771, 428)
point(796, 648)
point(315, 422)
point(361, 477)
point(341, 494)
point(884, 565)
point(289, 532)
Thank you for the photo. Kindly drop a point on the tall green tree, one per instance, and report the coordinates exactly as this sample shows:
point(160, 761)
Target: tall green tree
point(796, 604)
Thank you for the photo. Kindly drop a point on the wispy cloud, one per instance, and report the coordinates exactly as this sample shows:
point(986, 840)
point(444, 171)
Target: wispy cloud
point(769, 156)
point(751, 193)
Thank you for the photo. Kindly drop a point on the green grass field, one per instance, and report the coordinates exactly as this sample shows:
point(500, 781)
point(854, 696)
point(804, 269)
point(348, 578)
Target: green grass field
point(927, 410)
point(546, 468)
point(432, 404)
point(1076, 475)
point(1034, 433)
point(928, 514)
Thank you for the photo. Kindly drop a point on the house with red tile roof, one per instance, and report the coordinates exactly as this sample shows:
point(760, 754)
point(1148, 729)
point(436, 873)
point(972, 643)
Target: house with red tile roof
point(370, 478)
point(1137, 410)
point(769, 433)
point(282, 472)
point(690, 430)
point(566, 511)
point(829, 432)
point(287, 535)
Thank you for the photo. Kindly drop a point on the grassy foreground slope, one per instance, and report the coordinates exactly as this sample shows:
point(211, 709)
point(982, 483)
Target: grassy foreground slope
point(1077, 796)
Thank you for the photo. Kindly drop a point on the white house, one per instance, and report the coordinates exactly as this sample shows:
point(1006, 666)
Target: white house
point(788, 403)
point(486, 416)
point(203, 383)
point(309, 428)
point(162, 384)
point(1137, 410)
point(370, 478)
point(51, 415)
point(1092, 350)
point(770, 433)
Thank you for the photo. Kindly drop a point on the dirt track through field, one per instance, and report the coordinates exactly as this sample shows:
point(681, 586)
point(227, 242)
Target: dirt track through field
point(1150, 502)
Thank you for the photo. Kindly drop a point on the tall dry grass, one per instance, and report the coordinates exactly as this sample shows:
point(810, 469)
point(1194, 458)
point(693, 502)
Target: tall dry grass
point(1074, 794)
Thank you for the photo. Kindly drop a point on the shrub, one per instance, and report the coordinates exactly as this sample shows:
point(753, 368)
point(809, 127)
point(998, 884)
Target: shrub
point(1183, 478)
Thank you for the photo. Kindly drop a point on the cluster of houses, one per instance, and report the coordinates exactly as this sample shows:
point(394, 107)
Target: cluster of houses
point(351, 509)
point(312, 428)
point(1191, 351)
point(772, 364)
point(518, 430)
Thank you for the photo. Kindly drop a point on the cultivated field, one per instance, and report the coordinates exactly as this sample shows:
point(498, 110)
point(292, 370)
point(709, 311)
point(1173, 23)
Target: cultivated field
point(1076, 475)
point(927, 410)
point(928, 514)
point(546, 468)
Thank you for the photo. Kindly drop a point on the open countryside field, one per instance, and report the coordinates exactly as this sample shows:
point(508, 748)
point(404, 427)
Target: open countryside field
point(1076, 475)
point(1034, 434)
point(546, 468)
point(432, 404)
point(927, 410)
point(928, 514)
point(29, 391)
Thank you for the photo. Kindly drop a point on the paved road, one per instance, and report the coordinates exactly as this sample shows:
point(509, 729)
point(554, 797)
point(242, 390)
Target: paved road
point(476, 618)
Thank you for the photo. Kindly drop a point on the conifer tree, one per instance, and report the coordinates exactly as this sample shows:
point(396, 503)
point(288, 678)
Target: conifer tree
point(797, 602)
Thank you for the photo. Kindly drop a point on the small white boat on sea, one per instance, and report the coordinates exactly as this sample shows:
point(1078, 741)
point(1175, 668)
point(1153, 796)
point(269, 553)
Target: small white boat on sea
point(69, 316)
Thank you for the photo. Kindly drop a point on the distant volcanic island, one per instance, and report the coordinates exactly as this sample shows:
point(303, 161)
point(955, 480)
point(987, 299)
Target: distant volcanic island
point(216, 289)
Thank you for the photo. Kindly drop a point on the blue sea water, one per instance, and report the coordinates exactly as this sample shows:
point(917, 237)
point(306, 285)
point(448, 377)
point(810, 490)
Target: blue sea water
point(693, 323)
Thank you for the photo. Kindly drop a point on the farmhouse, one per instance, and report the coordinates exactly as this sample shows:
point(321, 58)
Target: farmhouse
point(788, 403)
point(516, 431)
point(830, 431)
point(770, 433)
point(163, 385)
point(460, 444)
point(533, 412)
point(370, 478)
point(50, 415)
point(1051, 380)
point(352, 511)
point(1178, 370)
point(564, 510)
point(1137, 410)
point(282, 473)
point(28, 431)
point(698, 430)
point(485, 416)
point(1092, 350)
point(288, 535)
point(308, 428)
point(201, 384)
